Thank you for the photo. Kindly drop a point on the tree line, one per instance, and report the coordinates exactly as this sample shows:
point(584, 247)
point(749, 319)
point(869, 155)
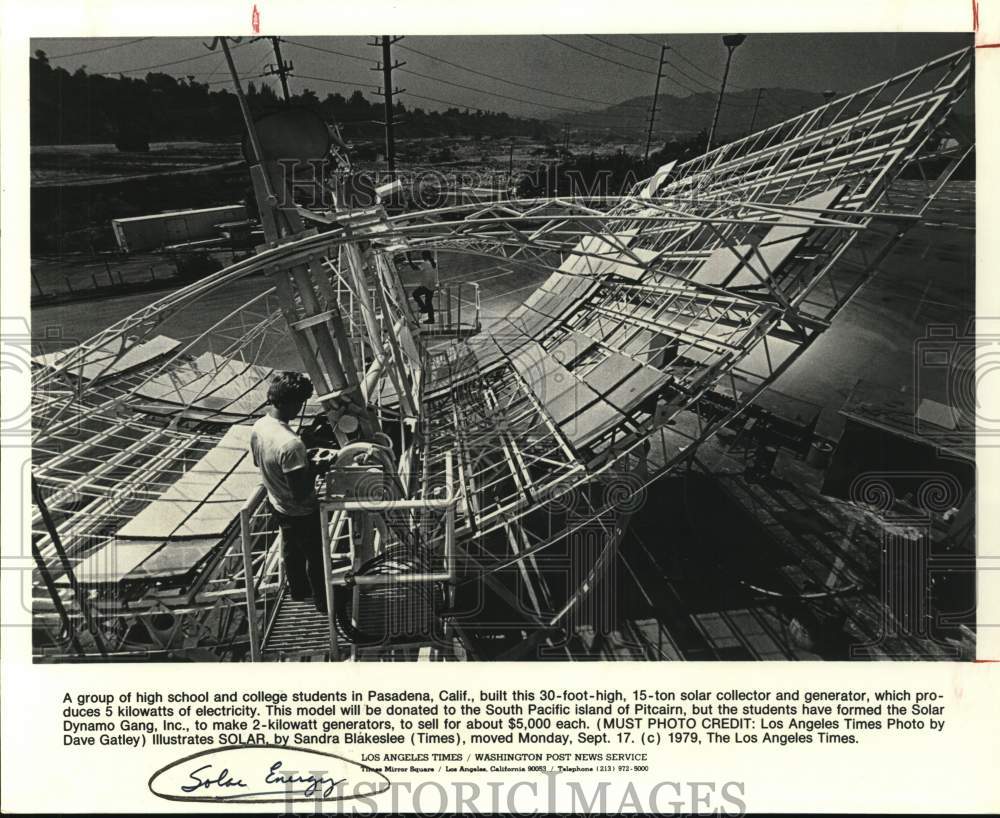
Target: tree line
point(81, 108)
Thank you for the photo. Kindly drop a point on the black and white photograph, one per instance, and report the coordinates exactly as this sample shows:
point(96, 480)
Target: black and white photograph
point(489, 348)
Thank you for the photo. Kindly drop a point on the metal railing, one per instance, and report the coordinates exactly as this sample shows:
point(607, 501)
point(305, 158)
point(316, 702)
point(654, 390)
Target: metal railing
point(456, 311)
point(336, 516)
point(263, 585)
point(335, 512)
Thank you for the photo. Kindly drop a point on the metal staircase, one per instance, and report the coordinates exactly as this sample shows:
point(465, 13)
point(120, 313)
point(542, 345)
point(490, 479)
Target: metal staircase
point(298, 631)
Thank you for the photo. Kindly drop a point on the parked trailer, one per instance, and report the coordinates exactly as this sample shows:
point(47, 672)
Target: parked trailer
point(139, 233)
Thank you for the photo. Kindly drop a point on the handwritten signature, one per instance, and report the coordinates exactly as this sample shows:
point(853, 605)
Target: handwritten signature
point(224, 779)
point(265, 774)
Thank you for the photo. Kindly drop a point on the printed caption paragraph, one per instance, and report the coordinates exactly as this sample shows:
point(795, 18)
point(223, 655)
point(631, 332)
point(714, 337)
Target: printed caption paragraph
point(458, 725)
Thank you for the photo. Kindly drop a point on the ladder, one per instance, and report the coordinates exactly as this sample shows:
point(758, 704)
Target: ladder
point(298, 631)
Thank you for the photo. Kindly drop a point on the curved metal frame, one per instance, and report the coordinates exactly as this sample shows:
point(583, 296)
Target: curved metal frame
point(858, 145)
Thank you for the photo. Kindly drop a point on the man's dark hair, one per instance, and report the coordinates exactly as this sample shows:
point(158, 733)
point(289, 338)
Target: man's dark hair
point(289, 387)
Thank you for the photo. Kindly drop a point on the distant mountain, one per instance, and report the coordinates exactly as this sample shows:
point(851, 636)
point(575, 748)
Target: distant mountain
point(678, 117)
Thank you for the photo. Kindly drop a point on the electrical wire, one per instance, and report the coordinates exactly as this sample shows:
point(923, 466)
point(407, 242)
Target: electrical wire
point(621, 48)
point(360, 86)
point(490, 93)
point(95, 50)
point(473, 108)
point(208, 74)
point(173, 62)
point(251, 73)
point(478, 90)
point(365, 60)
point(504, 79)
point(647, 40)
point(598, 56)
point(357, 85)
point(585, 114)
point(701, 86)
point(215, 70)
point(673, 50)
point(451, 103)
point(706, 73)
point(471, 71)
point(644, 71)
point(504, 96)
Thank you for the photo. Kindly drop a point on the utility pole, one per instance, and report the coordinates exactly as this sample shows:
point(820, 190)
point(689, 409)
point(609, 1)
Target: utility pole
point(756, 105)
point(731, 42)
point(282, 69)
point(386, 66)
point(652, 110)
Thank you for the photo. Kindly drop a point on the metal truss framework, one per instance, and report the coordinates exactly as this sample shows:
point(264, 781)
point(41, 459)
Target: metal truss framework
point(703, 283)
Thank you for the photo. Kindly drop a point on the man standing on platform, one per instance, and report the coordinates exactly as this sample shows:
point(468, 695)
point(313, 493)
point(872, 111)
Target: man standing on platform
point(288, 476)
point(424, 294)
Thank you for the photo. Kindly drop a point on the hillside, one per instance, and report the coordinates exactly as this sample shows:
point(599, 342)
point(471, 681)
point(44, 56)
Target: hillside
point(678, 117)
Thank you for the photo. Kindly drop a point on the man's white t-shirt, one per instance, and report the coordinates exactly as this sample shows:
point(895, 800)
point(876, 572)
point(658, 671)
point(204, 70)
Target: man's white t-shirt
point(276, 451)
point(428, 276)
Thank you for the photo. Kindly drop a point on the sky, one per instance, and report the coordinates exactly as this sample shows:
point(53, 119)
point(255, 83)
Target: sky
point(588, 72)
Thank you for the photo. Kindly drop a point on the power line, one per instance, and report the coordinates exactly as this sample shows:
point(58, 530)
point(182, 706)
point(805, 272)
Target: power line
point(251, 73)
point(620, 47)
point(694, 65)
point(215, 70)
point(451, 103)
point(473, 87)
point(365, 60)
point(647, 40)
point(699, 83)
point(478, 90)
point(172, 62)
point(248, 75)
point(665, 61)
point(508, 81)
point(356, 85)
point(95, 50)
point(706, 73)
point(729, 103)
point(229, 80)
point(454, 104)
point(582, 113)
point(206, 74)
point(701, 86)
point(498, 94)
point(598, 56)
